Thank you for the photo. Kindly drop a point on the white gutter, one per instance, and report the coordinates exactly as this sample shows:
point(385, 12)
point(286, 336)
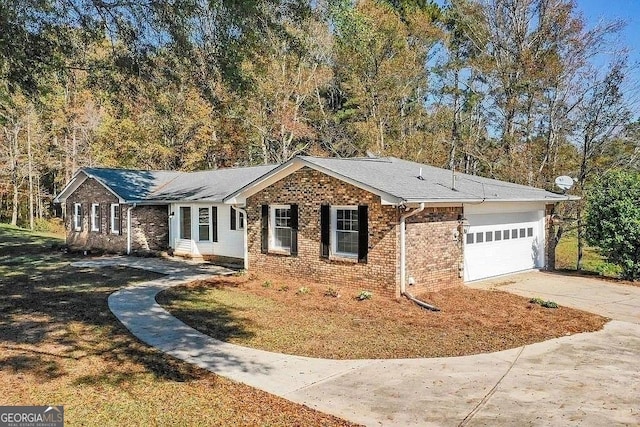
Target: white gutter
point(129, 209)
point(403, 247)
point(245, 246)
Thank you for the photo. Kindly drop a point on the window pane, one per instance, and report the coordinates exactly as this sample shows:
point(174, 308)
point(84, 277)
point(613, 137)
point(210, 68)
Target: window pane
point(480, 237)
point(505, 234)
point(185, 222)
point(488, 236)
point(203, 224)
point(469, 238)
point(514, 233)
point(347, 242)
point(498, 235)
point(203, 233)
point(282, 238)
point(282, 228)
point(203, 215)
point(530, 232)
point(523, 232)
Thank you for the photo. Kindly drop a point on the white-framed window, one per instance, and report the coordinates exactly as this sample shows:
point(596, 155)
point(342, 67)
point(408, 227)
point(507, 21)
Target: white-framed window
point(204, 224)
point(237, 219)
point(240, 220)
point(95, 217)
point(280, 227)
point(344, 230)
point(115, 218)
point(77, 216)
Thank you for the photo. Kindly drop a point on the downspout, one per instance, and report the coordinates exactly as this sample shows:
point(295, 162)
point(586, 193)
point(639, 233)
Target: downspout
point(403, 247)
point(129, 209)
point(403, 259)
point(245, 246)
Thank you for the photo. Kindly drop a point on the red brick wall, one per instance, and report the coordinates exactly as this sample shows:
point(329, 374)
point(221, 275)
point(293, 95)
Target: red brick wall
point(309, 189)
point(149, 223)
point(433, 255)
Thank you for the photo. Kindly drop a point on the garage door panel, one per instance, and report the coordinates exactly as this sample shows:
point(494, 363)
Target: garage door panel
point(502, 243)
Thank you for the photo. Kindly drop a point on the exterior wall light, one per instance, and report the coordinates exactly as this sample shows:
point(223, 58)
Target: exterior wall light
point(463, 224)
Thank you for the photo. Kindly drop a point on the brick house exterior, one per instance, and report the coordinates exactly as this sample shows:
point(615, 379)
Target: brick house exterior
point(380, 224)
point(433, 255)
point(149, 223)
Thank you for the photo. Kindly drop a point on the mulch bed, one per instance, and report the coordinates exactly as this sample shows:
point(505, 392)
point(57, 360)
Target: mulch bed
point(271, 313)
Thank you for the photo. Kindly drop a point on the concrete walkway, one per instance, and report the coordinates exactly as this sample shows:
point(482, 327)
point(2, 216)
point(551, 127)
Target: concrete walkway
point(620, 302)
point(586, 379)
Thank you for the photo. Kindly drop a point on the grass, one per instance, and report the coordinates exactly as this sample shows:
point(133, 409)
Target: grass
point(60, 345)
point(243, 311)
point(592, 261)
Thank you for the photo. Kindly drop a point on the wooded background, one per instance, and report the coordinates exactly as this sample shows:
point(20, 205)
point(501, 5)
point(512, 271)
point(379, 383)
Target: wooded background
point(519, 90)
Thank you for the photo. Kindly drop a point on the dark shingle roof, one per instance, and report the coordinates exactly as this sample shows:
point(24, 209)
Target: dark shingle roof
point(211, 186)
point(131, 185)
point(164, 186)
point(399, 178)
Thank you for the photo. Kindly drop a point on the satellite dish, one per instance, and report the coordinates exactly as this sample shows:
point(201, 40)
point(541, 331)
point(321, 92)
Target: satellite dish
point(564, 182)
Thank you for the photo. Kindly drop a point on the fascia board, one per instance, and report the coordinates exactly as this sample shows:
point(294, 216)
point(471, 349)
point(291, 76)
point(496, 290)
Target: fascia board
point(72, 186)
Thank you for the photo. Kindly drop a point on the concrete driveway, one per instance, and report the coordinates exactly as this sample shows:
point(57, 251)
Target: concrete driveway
point(620, 302)
point(589, 379)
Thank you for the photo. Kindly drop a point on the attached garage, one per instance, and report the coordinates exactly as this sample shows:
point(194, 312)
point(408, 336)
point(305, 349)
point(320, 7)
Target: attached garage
point(503, 238)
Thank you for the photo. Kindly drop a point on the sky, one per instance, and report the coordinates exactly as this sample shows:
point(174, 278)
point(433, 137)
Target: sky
point(628, 10)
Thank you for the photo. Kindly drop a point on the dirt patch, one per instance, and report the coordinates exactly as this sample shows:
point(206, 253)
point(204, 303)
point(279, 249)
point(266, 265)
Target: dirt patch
point(305, 318)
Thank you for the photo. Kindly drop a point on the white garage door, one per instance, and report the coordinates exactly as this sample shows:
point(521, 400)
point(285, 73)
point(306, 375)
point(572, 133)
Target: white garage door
point(501, 243)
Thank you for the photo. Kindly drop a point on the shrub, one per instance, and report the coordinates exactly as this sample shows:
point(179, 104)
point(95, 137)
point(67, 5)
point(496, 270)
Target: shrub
point(303, 291)
point(283, 288)
point(266, 284)
point(543, 303)
point(613, 220)
point(363, 295)
point(331, 292)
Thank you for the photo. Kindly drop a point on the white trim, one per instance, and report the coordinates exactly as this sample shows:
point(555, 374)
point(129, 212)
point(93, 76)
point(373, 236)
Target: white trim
point(333, 235)
point(76, 181)
point(77, 216)
point(112, 218)
point(95, 217)
point(272, 228)
point(209, 224)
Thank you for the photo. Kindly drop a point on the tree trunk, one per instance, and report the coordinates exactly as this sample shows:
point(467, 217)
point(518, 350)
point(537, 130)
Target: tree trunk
point(30, 170)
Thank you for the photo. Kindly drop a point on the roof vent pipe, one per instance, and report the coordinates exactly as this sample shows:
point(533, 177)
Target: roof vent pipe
point(420, 177)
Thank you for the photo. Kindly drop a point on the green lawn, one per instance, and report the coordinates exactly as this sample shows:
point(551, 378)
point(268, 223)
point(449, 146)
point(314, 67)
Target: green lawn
point(60, 345)
point(592, 261)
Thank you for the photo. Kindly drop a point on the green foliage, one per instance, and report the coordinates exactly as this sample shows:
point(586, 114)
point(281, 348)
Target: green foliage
point(266, 284)
point(303, 291)
point(613, 219)
point(543, 303)
point(364, 295)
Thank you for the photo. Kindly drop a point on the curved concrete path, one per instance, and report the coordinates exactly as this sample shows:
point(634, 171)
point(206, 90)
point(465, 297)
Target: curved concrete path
point(586, 379)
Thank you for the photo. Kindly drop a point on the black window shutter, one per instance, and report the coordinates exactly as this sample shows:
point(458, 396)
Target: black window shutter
point(264, 246)
point(81, 218)
point(232, 214)
point(214, 222)
point(363, 233)
point(99, 218)
point(120, 213)
point(294, 230)
point(325, 223)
